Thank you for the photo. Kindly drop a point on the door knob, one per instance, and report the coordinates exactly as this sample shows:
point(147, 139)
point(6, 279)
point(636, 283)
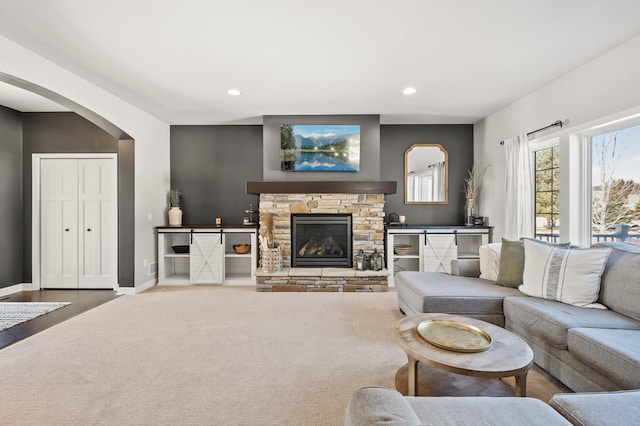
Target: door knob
point(88, 229)
point(66, 229)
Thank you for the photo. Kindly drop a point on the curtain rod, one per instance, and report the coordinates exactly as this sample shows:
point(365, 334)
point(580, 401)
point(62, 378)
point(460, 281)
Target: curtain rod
point(554, 124)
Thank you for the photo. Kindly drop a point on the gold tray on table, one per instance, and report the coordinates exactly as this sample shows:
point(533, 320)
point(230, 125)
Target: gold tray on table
point(454, 336)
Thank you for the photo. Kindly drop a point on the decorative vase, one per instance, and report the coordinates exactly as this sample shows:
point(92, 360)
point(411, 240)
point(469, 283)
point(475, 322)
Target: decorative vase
point(470, 214)
point(175, 216)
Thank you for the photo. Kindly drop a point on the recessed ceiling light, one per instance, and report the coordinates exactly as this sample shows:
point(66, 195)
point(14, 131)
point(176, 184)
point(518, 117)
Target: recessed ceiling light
point(233, 92)
point(409, 91)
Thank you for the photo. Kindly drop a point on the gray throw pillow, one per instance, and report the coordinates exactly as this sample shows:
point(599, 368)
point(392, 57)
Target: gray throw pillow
point(512, 261)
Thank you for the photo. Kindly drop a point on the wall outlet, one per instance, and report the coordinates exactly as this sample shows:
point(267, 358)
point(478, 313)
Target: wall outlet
point(145, 263)
point(149, 217)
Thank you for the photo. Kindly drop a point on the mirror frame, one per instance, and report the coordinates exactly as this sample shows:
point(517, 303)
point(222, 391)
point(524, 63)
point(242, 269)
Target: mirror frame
point(446, 173)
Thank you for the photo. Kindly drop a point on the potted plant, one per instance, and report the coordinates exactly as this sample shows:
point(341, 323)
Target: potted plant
point(175, 214)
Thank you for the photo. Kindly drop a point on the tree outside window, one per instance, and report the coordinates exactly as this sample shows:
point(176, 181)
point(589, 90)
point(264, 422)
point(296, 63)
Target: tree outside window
point(547, 193)
point(615, 192)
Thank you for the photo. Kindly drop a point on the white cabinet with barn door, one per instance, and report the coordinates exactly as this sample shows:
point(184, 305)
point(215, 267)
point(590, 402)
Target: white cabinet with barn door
point(432, 248)
point(78, 223)
point(206, 255)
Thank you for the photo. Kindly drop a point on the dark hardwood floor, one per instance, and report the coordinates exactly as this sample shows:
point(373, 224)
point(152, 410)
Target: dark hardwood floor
point(81, 301)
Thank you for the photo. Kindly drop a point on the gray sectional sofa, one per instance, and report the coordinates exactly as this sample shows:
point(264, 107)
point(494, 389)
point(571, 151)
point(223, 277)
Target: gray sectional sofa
point(586, 349)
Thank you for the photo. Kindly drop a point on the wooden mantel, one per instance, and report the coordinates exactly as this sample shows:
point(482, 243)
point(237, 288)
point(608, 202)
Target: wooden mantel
point(322, 187)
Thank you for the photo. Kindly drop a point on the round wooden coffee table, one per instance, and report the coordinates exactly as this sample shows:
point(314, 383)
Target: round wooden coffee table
point(507, 356)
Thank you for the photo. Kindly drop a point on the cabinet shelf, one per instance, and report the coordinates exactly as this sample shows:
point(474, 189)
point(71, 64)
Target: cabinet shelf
point(232, 254)
point(177, 255)
point(176, 279)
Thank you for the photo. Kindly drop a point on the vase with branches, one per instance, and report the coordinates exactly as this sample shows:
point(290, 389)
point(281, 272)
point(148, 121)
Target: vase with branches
point(175, 214)
point(472, 185)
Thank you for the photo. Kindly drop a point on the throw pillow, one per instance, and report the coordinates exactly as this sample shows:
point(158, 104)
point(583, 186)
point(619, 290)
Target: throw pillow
point(489, 261)
point(512, 261)
point(567, 275)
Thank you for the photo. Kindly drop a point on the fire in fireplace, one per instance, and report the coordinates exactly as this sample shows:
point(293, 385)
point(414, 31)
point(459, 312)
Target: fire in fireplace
point(319, 240)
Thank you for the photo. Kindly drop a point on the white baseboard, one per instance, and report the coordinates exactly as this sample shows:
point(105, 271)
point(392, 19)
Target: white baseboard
point(16, 288)
point(137, 289)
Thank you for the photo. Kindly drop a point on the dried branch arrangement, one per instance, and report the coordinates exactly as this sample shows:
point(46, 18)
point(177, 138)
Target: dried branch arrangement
point(266, 230)
point(174, 197)
point(473, 181)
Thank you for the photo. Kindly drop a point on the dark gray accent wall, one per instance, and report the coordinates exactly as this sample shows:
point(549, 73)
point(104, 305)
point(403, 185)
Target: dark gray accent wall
point(369, 147)
point(126, 210)
point(67, 132)
point(11, 218)
point(210, 165)
point(457, 139)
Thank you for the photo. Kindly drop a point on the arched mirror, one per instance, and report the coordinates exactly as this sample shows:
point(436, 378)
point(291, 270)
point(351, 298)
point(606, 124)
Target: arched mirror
point(426, 174)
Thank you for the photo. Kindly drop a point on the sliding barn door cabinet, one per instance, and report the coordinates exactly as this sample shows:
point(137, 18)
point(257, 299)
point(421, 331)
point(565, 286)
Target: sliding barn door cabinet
point(205, 255)
point(431, 249)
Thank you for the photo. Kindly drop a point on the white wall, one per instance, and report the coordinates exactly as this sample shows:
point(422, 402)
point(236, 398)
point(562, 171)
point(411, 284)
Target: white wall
point(151, 139)
point(603, 87)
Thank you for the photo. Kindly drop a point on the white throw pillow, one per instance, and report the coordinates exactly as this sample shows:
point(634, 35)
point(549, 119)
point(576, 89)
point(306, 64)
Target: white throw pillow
point(566, 275)
point(489, 261)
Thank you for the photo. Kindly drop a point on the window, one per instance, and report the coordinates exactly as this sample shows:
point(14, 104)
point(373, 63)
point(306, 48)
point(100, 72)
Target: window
point(547, 193)
point(615, 185)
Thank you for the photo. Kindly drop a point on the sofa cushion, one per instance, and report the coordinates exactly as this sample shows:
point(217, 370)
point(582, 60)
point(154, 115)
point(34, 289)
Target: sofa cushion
point(379, 406)
point(551, 320)
point(489, 255)
point(463, 410)
point(615, 353)
point(599, 408)
point(444, 293)
point(512, 259)
point(620, 286)
point(566, 275)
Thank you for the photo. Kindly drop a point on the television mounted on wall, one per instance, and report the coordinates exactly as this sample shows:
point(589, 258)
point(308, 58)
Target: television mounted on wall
point(320, 147)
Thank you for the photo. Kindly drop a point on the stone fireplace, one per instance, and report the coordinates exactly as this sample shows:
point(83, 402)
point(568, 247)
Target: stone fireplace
point(362, 201)
point(367, 212)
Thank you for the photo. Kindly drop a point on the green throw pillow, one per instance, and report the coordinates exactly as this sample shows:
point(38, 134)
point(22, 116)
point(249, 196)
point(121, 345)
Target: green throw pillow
point(512, 261)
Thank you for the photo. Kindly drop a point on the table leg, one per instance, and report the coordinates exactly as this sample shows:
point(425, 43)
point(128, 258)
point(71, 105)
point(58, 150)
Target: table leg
point(412, 373)
point(521, 384)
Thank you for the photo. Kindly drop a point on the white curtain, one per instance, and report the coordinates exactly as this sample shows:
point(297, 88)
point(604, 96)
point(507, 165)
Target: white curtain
point(519, 214)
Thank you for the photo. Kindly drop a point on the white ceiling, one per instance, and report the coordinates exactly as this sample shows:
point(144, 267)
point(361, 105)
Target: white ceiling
point(176, 59)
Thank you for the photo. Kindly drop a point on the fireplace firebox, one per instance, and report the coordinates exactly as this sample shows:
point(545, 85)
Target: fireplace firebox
point(321, 240)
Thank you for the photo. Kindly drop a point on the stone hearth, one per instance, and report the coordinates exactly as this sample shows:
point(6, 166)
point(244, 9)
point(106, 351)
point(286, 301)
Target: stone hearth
point(322, 280)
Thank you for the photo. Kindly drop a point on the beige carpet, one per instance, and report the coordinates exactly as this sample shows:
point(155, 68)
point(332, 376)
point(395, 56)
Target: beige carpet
point(204, 355)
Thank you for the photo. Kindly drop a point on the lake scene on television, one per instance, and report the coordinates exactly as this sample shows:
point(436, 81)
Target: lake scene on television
point(320, 148)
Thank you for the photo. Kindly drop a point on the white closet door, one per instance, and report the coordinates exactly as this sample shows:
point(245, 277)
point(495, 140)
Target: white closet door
point(59, 224)
point(98, 230)
point(206, 258)
point(78, 223)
